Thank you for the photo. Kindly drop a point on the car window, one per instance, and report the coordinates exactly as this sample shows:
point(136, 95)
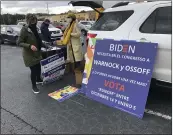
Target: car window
point(110, 21)
point(159, 22)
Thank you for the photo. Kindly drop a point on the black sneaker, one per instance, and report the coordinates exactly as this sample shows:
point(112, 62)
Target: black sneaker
point(35, 90)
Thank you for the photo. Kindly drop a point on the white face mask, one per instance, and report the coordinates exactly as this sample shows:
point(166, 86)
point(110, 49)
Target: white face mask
point(69, 20)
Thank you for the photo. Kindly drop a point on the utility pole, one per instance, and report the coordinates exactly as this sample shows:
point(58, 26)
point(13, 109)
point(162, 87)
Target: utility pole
point(47, 7)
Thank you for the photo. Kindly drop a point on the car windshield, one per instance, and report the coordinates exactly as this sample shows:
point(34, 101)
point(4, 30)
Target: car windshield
point(39, 25)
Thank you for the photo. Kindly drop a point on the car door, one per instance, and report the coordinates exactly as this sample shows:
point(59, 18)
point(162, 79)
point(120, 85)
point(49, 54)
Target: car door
point(156, 26)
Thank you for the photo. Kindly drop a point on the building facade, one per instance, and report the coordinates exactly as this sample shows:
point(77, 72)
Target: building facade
point(83, 15)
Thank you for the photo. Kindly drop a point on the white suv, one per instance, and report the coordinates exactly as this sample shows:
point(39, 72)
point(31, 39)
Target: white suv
point(56, 33)
point(146, 21)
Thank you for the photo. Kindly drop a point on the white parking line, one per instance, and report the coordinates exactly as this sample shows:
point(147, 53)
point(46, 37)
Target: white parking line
point(158, 114)
point(148, 111)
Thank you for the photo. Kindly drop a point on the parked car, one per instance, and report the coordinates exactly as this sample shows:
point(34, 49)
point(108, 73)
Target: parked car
point(21, 24)
point(83, 29)
point(56, 33)
point(147, 21)
point(9, 33)
point(57, 25)
point(87, 24)
point(64, 26)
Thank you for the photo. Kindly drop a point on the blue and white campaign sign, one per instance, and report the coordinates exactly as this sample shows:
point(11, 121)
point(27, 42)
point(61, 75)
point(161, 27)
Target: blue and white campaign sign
point(121, 74)
point(53, 68)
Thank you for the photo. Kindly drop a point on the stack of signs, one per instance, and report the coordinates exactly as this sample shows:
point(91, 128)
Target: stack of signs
point(119, 74)
point(53, 68)
point(63, 94)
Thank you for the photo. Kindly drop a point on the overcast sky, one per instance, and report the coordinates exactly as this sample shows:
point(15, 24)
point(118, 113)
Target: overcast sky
point(55, 7)
point(24, 7)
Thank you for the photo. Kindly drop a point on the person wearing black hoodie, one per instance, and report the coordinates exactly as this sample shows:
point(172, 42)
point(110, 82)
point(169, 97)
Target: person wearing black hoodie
point(46, 36)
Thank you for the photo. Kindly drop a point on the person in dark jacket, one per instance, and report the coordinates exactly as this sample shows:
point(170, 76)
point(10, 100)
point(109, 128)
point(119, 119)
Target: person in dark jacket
point(46, 36)
point(31, 42)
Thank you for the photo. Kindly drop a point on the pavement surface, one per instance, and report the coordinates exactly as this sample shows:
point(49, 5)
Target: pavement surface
point(23, 112)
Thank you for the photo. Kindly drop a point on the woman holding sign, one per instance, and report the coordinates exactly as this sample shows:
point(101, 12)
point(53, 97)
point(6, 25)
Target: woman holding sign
point(71, 38)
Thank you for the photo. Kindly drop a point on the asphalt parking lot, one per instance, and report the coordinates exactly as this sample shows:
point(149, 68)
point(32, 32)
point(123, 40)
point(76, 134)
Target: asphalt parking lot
point(22, 112)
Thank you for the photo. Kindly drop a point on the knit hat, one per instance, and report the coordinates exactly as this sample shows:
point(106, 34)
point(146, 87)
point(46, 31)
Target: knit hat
point(31, 18)
point(71, 15)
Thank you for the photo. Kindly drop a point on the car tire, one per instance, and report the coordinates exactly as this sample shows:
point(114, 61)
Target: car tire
point(1, 41)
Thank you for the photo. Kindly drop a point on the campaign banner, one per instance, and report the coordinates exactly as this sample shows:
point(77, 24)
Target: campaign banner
point(52, 62)
point(64, 93)
point(54, 74)
point(53, 68)
point(121, 74)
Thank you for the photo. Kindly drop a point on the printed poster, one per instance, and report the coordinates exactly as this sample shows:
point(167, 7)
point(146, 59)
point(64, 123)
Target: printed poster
point(53, 68)
point(121, 74)
point(64, 93)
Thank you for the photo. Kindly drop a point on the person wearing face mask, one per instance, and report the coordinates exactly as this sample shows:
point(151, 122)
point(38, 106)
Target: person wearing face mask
point(31, 42)
point(46, 36)
point(75, 56)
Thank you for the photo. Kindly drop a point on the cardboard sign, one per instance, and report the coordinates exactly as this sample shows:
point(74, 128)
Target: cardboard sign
point(64, 93)
point(121, 74)
point(53, 68)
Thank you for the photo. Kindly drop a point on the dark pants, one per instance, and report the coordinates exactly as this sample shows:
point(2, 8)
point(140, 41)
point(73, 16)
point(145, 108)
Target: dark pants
point(35, 74)
point(77, 68)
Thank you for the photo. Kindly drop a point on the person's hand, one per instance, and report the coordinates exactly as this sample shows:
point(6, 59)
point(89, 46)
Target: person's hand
point(33, 48)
